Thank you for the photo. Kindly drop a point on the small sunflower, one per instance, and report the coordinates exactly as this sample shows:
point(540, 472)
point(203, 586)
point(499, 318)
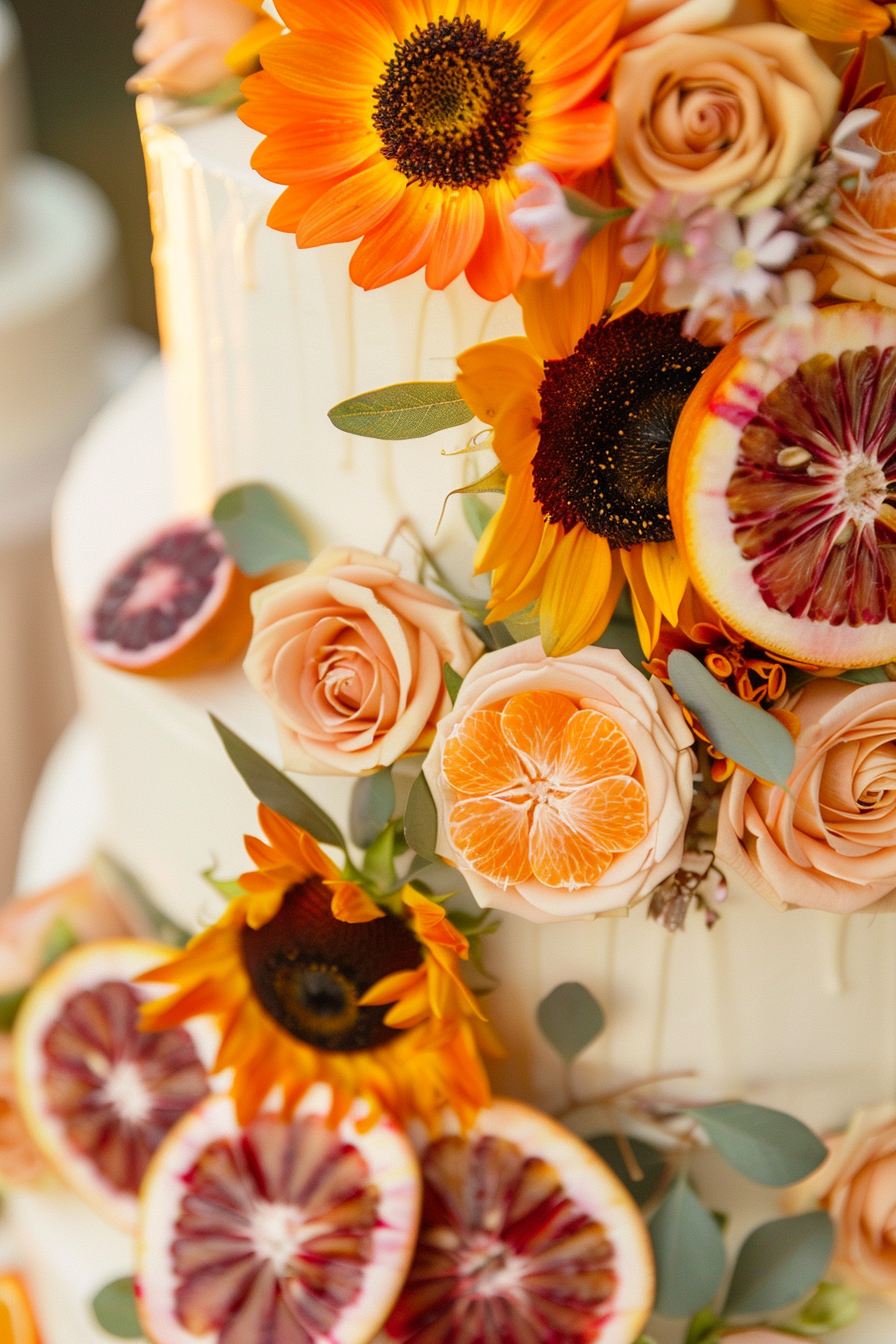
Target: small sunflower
point(583, 411)
point(298, 973)
point(243, 56)
point(401, 122)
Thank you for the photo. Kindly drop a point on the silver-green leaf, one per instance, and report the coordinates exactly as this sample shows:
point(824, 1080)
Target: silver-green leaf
point(767, 1146)
point(421, 822)
point(402, 411)
point(570, 1018)
point(689, 1253)
point(778, 1262)
point(453, 681)
point(115, 1308)
point(271, 787)
point(372, 805)
point(260, 528)
point(750, 736)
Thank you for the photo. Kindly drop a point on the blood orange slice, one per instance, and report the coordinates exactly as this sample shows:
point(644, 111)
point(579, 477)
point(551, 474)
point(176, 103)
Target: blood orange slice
point(98, 1094)
point(526, 1237)
point(287, 1231)
point(782, 487)
point(177, 606)
point(17, 1323)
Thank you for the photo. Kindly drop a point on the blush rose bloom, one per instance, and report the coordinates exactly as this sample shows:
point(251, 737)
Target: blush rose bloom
point(184, 45)
point(350, 659)
point(861, 241)
point(830, 844)
point(730, 114)
point(857, 1187)
point(596, 679)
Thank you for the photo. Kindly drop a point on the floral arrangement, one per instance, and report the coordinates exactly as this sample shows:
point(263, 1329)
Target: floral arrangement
point(675, 655)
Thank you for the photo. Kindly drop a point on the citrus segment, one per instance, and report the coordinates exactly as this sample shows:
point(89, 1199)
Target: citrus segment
point(17, 1323)
point(526, 1237)
point(289, 1231)
point(782, 487)
point(544, 789)
point(176, 607)
point(98, 1094)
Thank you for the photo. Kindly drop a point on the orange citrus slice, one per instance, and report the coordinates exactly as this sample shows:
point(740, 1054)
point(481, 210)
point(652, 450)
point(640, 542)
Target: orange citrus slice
point(17, 1323)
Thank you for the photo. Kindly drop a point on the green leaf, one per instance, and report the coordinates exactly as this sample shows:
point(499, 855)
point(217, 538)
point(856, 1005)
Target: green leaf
point(749, 735)
point(652, 1162)
point(379, 861)
point(570, 1018)
point(703, 1328)
point(260, 528)
point(60, 939)
point(402, 411)
point(229, 890)
point(831, 1307)
point(780, 1261)
point(477, 513)
point(865, 676)
point(689, 1253)
point(372, 805)
point(271, 786)
point(421, 821)
point(453, 681)
point(766, 1146)
point(9, 1006)
point(115, 1308)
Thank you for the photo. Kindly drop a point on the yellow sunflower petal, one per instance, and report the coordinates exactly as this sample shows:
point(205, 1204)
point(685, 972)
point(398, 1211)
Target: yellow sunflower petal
point(491, 373)
point(243, 55)
point(665, 574)
point(647, 612)
point(352, 905)
point(263, 907)
point(577, 583)
point(642, 284)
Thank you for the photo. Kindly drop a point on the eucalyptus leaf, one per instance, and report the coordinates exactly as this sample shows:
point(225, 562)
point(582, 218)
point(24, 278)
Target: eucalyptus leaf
point(115, 1308)
point(9, 1007)
point(751, 736)
point(766, 1146)
point(477, 513)
point(271, 787)
point(421, 822)
point(689, 1253)
point(372, 805)
point(780, 1261)
point(652, 1162)
point(570, 1018)
point(260, 528)
point(402, 411)
point(453, 681)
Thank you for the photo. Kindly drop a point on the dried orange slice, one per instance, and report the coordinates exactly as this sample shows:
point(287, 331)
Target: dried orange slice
point(97, 1093)
point(176, 607)
point(545, 790)
point(283, 1230)
point(526, 1236)
point(17, 1323)
point(782, 487)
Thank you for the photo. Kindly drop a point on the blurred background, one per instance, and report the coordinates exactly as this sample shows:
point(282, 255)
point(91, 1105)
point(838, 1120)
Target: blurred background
point(78, 57)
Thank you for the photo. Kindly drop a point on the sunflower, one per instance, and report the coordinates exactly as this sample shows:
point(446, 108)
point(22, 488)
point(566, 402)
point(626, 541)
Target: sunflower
point(401, 122)
point(583, 410)
point(242, 58)
point(298, 973)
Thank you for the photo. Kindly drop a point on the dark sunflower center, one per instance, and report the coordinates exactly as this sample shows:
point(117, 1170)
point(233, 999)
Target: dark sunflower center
point(608, 414)
point(310, 970)
point(451, 106)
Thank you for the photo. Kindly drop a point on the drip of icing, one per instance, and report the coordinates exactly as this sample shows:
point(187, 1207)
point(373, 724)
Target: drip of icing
point(833, 934)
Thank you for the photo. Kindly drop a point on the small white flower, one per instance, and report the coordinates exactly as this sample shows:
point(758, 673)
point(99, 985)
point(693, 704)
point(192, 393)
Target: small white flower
point(544, 216)
point(853, 153)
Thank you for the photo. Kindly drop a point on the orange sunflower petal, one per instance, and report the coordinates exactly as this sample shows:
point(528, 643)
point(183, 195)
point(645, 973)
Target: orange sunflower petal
point(578, 139)
point(336, 67)
point(458, 236)
point(242, 56)
point(492, 373)
point(843, 21)
point(500, 259)
point(512, 537)
point(315, 148)
point(477, 759)
point(647, 612)
point(569, 38)
point(578, 579)
point(492, 835)
point(295, 846)
point(515, 440)
point(350, 208)
point(269, 104)
point(534, 723)
point(291, 207)
point(593, 746)
point(401, 244)
point(352, 905)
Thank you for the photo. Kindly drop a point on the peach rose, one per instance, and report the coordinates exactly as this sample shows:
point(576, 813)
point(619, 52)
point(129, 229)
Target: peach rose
point(857, 1186)
point(184, 44)
point(350, 659)
point(731, 114)
point(830, 843)
point(862, 238)
point(563, 786)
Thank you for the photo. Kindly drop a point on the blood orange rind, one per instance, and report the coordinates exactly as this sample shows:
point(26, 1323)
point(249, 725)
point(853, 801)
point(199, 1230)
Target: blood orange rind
point(175, 607)
point(89, 970)
point(782, 533)
point(178, 1171)
point(17, 1323)
point(526, 1235)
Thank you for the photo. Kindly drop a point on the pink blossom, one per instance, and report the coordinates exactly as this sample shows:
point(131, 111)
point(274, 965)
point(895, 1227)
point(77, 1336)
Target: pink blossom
point(850, 150)
point(543, 214)
point(676, 222)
